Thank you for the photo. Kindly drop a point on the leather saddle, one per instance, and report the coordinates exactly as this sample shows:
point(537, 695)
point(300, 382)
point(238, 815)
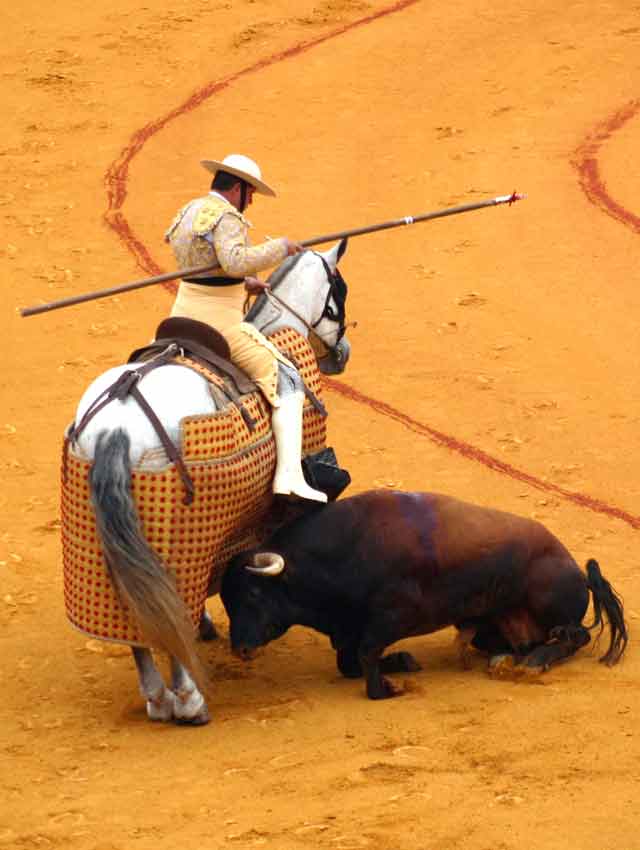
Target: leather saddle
point(201, 343)
point(178, 327)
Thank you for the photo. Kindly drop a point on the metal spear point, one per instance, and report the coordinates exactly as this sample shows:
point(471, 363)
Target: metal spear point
point(307, 243)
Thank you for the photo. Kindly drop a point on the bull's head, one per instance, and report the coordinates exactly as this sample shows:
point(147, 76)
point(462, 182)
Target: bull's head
point(255, 601)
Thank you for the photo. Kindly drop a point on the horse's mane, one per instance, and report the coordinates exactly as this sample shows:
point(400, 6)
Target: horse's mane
point(274, 280)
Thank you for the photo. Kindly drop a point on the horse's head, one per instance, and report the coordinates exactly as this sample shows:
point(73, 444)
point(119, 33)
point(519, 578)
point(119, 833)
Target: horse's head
point(307, 292)
point(327, 335)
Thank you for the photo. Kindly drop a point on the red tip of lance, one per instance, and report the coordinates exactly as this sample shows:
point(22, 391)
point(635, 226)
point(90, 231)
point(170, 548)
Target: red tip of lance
point(509, 199)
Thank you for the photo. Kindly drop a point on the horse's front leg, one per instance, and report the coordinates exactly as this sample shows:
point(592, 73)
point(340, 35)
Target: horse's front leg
point(160, 700)
point(190, 706)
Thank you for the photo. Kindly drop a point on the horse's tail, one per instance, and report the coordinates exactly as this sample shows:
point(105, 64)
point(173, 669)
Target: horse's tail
point(138, 574)
point(607, 602)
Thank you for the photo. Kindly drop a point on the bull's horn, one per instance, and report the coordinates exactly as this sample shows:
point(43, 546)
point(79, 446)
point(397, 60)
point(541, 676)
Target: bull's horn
point(267, 564)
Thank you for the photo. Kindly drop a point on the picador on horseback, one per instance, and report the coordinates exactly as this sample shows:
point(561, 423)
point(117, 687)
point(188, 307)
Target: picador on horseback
point(174, 459)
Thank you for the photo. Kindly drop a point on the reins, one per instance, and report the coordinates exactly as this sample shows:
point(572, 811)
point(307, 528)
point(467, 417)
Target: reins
point(327, 312)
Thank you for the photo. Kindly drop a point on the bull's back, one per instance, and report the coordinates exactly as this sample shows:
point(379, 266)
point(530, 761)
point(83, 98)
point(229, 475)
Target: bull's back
point(465, 531)
point(380, 536)
point(430, 533)
point(469, 561)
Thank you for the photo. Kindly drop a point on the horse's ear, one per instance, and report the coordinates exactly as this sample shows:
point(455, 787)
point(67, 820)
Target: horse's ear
point(332, 256)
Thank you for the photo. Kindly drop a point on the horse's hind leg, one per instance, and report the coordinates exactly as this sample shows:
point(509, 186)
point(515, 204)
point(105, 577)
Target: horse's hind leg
point(206, 628)
point(190, 706)
point(160, 700)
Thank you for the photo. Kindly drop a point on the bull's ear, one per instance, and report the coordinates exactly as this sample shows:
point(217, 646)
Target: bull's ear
point(266, 564)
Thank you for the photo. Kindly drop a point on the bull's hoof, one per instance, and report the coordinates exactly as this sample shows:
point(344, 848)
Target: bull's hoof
point(383, 689)
point(399, 662)
point(513, 668)
point(502, 666)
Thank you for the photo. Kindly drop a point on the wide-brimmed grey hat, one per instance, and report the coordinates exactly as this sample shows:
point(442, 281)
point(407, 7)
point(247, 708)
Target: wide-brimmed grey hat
point(242, 167)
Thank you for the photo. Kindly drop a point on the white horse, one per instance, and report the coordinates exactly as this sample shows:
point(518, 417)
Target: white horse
point(307, 294)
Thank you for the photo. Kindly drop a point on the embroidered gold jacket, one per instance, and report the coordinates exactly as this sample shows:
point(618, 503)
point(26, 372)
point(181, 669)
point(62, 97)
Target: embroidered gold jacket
point(209, 230)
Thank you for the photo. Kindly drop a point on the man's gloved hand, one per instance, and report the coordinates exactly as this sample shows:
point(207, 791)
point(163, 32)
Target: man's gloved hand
point(255, 286)
point(294, 247)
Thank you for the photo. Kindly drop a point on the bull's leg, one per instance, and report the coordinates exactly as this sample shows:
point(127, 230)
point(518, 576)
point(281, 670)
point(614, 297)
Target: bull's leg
point(558, 600)
point(522, 634)
point(350, 666)
point(206, 629)
point(463, 643)
point(399, 662)
point(348, 662)
point(377, 685)
point(563, 643)
point(489, 640)
point(159, 698)
point(190, 706)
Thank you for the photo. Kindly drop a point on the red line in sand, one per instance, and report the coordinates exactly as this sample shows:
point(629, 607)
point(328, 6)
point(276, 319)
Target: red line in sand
point(585, 162)
point(118, 172)
point(472, 453)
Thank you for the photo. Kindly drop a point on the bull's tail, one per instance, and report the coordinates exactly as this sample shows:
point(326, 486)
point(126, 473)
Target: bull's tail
point(607, 605)
point(138, 574)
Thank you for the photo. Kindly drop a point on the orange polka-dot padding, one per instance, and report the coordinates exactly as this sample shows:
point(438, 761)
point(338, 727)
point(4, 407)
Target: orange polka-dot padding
point(231, 468)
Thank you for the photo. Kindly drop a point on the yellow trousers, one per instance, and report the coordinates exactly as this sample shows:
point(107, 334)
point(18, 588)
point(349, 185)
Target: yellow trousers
point(221, 307)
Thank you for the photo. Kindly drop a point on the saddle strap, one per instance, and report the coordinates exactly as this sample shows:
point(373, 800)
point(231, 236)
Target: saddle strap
point(187, 346)
point(121, 388)
point(313, 398)
point(228, 391)
point(309, 393)
point(127, 384)
point(172, 452)
point(235, 383)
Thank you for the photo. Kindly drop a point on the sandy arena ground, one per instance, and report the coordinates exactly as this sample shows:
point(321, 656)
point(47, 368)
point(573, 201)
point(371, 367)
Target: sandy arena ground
point(496, 358)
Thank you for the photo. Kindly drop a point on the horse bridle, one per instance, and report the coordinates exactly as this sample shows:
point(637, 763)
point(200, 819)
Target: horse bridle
point(338, 291)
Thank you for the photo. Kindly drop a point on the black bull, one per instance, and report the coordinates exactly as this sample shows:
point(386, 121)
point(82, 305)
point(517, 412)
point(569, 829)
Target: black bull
point(382, 566)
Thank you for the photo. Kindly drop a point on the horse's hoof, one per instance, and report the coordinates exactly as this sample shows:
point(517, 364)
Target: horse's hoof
point(161, 710)
point(191, 710)
point(200, 719)
point(207, 630)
